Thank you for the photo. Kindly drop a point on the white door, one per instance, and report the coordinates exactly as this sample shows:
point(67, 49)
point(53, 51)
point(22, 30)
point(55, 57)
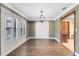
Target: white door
point(42, 30)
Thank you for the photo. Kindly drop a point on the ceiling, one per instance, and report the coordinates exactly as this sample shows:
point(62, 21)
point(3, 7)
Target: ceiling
point(32, 10)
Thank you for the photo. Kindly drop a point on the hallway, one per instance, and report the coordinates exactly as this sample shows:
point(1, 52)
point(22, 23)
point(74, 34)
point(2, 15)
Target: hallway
point(41, 47)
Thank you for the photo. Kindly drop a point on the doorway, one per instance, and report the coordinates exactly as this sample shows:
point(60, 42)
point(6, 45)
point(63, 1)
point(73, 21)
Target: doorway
point(67, 31)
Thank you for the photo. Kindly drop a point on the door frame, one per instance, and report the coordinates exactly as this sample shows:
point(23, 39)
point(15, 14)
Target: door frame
point(74, 12)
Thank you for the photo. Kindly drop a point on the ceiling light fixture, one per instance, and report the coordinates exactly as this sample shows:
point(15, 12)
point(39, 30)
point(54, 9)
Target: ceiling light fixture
point(41, 16)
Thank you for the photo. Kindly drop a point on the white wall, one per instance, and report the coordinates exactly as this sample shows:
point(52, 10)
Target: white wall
point(57, 29)
point(71, 28)
point(42, 30)
point(9, 45)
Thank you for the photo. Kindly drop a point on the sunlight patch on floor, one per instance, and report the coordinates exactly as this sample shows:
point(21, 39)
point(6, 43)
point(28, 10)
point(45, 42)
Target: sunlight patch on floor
point(70, 44)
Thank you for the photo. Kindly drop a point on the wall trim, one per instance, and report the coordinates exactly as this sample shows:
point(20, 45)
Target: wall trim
point(16, 47)
point(76, 54)
point(45, 38)
point(57, 40)
point(12, 9)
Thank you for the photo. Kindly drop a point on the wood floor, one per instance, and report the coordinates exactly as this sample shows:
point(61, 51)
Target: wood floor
point(70, 44)
point(41, 47)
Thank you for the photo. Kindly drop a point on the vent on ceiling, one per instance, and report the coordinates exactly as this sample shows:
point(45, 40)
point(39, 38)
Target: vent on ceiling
point(64, 8)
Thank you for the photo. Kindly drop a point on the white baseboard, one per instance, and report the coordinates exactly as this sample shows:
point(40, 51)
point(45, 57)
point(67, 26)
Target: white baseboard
point(15, 47)
point(77, 54)
point(57, 40)
point(45, 38)
point(41, 38)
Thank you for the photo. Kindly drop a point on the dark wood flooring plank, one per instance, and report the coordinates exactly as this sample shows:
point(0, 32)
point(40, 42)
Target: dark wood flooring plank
point(41, 47)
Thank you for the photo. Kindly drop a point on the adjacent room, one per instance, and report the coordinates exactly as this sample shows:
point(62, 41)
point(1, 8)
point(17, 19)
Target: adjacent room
point(67, 31)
